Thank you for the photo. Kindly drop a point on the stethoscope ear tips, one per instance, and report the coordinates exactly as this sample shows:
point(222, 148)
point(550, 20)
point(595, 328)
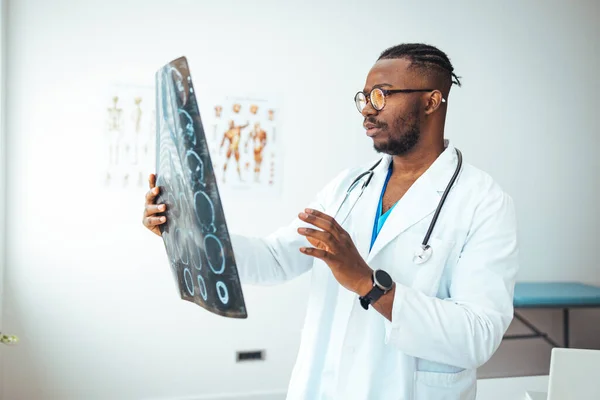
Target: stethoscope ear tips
point(423, 254)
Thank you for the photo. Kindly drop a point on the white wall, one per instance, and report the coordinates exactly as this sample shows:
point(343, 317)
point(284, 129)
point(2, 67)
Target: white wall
point(89, 291)
point(2, 138)
point(2, 169)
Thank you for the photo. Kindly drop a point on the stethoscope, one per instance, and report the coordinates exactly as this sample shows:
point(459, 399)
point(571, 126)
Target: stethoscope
point(424, 251)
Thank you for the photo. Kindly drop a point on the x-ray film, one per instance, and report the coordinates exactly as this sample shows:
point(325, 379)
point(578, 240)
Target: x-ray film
point(196, 237)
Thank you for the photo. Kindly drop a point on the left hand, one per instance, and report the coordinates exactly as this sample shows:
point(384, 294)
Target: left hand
point(334, 246)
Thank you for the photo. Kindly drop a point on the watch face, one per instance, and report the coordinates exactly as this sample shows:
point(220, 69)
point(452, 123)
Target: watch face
point(383, 279)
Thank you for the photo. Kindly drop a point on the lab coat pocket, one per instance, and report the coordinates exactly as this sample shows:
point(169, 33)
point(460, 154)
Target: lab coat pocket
point(423, 277)
point(445, 385)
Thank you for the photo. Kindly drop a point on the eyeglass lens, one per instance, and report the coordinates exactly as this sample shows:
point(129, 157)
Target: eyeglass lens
point(377, 99)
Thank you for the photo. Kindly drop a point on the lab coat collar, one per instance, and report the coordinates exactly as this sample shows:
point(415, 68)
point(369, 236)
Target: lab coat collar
point(418, 202)
point(442, 169)
point(438, 174)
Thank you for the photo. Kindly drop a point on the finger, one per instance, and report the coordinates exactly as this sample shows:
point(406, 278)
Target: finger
point(152, 209)
point(317, 253)
point(324, 216)
point(151, 195)
point(326, 225)
point(322, 236)
point(152, 181)
point(154, 221)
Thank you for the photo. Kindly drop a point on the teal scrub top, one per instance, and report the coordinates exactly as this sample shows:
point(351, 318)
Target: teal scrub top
point(380, 219)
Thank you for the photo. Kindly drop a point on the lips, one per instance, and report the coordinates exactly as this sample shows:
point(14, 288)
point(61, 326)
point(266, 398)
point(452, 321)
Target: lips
point(371, 128)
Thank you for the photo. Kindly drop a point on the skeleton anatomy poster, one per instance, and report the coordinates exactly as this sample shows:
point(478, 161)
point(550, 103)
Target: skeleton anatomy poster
point(195, 235)
point(129, 135)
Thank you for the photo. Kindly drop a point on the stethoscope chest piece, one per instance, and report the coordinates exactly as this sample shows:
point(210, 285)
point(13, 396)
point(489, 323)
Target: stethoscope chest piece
point(423, 254)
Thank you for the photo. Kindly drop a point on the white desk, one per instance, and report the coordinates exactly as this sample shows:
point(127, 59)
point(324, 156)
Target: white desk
point(510, 388)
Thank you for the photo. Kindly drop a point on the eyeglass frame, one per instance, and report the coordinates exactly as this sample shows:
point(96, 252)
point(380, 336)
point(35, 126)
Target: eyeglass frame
point(386, 93)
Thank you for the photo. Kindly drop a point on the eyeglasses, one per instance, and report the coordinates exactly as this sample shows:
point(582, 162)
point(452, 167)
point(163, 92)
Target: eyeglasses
point(377, 97)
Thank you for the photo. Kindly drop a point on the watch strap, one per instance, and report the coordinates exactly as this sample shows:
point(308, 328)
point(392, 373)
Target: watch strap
point(374, 294)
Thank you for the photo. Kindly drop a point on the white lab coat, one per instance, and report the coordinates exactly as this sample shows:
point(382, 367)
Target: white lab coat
point(449, 314)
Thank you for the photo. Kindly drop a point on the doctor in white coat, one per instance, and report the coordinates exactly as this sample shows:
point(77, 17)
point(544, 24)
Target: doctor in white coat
point(388, 317)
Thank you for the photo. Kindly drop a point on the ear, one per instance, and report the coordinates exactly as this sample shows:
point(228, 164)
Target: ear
point(434, 101)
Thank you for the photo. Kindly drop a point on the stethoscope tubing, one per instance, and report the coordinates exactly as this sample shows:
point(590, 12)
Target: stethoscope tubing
point(371, 172)
point(443, 199)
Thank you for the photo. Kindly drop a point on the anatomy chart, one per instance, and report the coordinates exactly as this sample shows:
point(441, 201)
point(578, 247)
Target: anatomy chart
point(244, 142)
point(129, 135)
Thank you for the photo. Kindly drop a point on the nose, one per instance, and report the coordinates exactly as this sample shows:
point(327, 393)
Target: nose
point(368, 110)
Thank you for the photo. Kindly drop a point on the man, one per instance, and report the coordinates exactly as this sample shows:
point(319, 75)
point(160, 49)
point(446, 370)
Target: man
point(388, 318)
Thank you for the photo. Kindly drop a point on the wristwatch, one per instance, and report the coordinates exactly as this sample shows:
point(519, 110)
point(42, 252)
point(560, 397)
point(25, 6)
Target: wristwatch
point(382, 283)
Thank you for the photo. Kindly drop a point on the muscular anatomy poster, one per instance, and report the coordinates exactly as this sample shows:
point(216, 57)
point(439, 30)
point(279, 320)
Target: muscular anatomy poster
point(244, 141)
point(195, 235)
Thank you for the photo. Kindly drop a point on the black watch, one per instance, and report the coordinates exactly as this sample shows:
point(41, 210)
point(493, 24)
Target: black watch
point(382, 283)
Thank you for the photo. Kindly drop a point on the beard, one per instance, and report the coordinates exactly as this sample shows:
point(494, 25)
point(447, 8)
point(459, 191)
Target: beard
point(402, 137)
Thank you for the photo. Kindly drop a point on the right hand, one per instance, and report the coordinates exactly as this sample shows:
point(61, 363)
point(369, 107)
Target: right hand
point(150, 220)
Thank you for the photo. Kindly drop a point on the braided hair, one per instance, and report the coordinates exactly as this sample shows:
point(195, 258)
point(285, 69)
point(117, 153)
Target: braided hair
point(428, 59)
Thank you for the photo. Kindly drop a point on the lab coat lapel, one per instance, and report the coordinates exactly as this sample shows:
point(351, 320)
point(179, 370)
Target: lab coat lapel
point(421, 200)
point(360, 226)
point(363, 215)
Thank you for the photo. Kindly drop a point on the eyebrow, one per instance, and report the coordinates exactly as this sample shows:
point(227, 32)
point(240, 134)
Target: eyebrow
point(380, 85)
